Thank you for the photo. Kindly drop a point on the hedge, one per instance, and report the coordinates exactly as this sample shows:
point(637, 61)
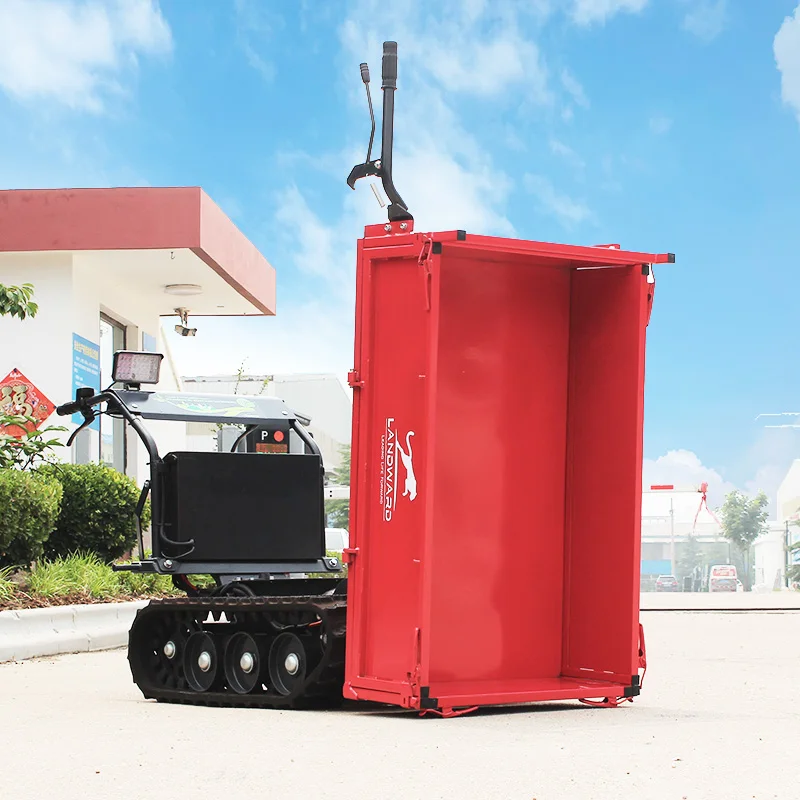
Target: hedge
point(30, 502)
point(97, 512)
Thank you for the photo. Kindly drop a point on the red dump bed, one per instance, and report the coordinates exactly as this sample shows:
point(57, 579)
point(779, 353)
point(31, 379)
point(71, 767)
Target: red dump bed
point(496, 456)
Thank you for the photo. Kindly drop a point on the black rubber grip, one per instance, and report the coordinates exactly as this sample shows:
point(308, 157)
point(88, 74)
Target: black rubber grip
point(68, 409)
point(389, 65)
point(365, 73)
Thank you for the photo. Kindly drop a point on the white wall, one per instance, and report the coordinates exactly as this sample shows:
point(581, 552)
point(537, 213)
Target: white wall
point(769, 558)
point(789, 493)
point(41, 347)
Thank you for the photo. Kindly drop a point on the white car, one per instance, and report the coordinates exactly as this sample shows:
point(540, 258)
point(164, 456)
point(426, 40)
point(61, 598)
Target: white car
point(336, 540)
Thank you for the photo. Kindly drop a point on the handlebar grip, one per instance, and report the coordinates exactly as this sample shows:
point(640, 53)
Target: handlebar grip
point(68, 409)
point(389, 65)
point(365, 73)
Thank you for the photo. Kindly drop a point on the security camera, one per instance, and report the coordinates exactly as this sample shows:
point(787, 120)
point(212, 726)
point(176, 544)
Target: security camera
point(183, 329)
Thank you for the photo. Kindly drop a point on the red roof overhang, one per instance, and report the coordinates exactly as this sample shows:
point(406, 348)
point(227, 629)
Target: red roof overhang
point(137, 218)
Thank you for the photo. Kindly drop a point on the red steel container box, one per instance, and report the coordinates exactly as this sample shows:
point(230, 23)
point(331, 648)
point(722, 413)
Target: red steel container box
point(496, 470)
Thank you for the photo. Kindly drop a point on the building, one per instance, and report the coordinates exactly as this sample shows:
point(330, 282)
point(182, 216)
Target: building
point(321, 398)
point(107, 265)
point(772, 553)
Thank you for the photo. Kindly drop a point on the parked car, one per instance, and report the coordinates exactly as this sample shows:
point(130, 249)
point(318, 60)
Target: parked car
point(723, 578)
point(336, 540)
point(666, 583)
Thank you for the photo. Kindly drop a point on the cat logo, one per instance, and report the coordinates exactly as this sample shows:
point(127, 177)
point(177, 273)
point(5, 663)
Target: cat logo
point(392, 452)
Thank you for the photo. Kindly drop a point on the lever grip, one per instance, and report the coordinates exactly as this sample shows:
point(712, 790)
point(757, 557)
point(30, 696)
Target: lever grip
point(66, 410)
point(365, 73)
point(389, 65)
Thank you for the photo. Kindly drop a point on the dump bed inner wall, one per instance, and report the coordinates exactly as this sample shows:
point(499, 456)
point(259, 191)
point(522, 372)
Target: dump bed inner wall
point(604, 477)
point(533, 557)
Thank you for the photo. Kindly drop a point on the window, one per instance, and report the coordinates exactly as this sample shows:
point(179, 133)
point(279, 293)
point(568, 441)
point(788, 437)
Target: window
point(113, 450)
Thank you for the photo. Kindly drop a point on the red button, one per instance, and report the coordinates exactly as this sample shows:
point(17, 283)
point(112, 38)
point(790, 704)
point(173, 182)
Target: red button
point(278, 436)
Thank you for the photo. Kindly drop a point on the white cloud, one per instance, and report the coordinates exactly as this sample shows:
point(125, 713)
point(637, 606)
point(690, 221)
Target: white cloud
point(684, 468)
point(707, 19)
point(256, 25)
point(585, 12)
point(659, 124)
point(471, 48)
point(488, 67)
point(571, 84)
point(568, 211)
point(761, 467)
point(786, 47)
point(558, 148)
point(75, 53)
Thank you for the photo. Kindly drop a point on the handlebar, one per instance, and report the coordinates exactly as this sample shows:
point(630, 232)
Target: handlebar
point(389, 65)
point(84, 400)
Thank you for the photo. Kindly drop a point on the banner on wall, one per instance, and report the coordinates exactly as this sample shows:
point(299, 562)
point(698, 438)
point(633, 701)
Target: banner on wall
point(85, 371)
point(20, 396)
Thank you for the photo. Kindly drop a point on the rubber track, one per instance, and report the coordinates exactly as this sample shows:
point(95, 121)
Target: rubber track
point(322, 687)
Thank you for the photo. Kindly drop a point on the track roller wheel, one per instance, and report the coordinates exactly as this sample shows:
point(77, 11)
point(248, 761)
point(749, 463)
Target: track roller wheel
point(200, 662)
point(242, 663)
point(287, 663)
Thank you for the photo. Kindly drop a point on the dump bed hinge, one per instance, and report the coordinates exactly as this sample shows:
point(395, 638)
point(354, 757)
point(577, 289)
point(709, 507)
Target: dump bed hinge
point(354, 379)
point(349, 555)
point(424, 262)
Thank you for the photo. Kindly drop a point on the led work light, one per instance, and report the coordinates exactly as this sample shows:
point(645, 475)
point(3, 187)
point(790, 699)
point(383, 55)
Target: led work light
point(131, 367)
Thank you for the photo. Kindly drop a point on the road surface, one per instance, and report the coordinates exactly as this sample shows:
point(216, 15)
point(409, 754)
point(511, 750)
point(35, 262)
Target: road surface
point(716, 719)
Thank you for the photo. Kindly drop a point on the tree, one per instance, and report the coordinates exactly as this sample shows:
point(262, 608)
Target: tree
point(690, 558)
point(17, 301)
point(338, 511)
point(744, 519)
point(341, 475)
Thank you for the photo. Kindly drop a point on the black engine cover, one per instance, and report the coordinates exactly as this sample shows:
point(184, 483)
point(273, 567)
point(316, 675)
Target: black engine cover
point(245, 506)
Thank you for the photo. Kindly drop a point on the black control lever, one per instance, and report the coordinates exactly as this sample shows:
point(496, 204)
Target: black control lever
point(382, 167)
point(79, 405)
point(369, 167)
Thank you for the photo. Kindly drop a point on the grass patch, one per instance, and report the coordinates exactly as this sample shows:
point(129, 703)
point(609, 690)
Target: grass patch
point(85, 578)
point(79, 573)
point(78, 578)
point(7, 587)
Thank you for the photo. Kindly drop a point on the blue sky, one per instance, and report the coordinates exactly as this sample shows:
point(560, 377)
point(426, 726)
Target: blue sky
point(665, 125)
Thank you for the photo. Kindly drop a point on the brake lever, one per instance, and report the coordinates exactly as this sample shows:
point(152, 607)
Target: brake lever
point(364, 171)
point(88, 419)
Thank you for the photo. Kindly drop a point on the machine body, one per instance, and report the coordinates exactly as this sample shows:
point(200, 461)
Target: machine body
point(498, 401)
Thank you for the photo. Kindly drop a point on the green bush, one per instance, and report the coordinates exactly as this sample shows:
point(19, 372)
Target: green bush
point(97, 512)
point(30, 502)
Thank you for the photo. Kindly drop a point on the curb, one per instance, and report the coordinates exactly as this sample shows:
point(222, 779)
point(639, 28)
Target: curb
point(54, 630)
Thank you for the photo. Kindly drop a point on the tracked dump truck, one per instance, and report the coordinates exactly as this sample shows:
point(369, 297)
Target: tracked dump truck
point(495, 499)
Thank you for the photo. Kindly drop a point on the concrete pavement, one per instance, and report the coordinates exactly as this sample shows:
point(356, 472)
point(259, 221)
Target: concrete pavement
point(716, 720)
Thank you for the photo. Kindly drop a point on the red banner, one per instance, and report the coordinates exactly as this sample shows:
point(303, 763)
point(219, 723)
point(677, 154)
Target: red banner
point(18, 395)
